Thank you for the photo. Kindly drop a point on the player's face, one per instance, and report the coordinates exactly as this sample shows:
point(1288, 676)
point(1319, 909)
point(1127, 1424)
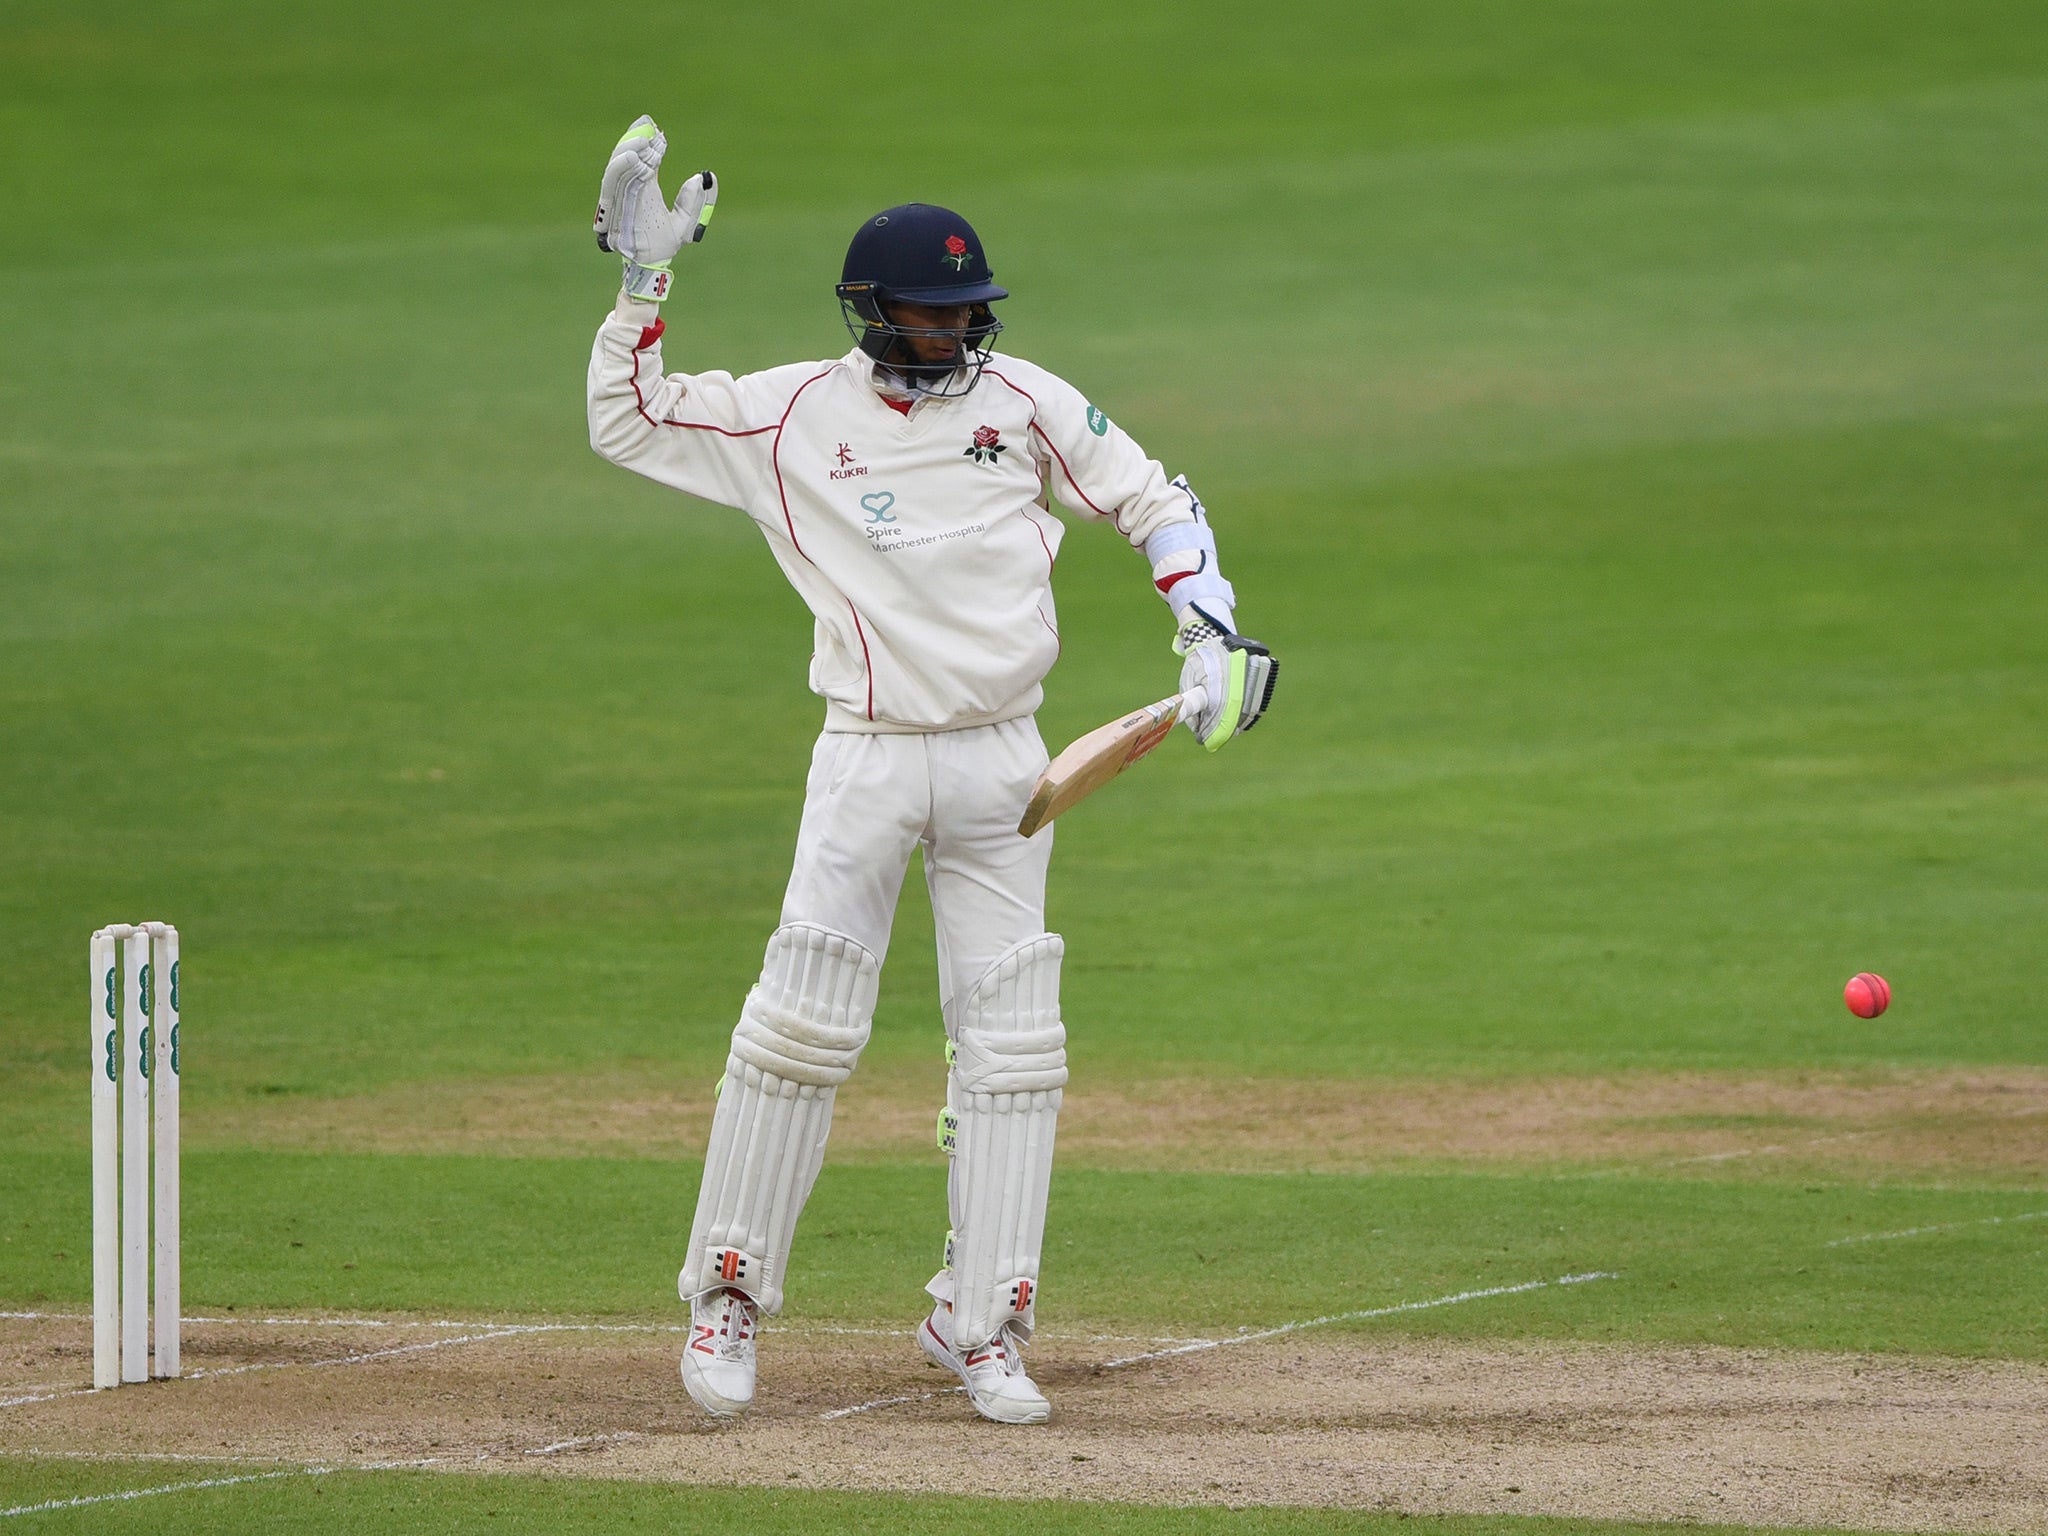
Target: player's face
point(949, 321)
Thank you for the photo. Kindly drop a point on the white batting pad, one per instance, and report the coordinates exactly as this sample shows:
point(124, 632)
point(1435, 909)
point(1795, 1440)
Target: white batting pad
point(1009, 1064)
point(797, 1040)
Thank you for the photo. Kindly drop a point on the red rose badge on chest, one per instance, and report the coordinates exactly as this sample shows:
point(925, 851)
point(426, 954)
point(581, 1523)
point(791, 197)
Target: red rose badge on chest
point(988, 446)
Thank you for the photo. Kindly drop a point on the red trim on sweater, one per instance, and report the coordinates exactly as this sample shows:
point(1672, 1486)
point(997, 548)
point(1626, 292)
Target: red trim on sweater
point(648, 336)
point(1055, 447)
point(1059, 646)
point(1099, 512)
point(782, 492)
point(1042, 541)
point(705, 426)
point(775, 461)
point(866, 660)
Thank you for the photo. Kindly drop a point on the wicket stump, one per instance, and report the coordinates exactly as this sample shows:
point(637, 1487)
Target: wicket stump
point(134, 1056)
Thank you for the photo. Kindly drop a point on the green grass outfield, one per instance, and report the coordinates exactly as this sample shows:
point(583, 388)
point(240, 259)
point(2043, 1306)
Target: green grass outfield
point(1745, 1263)
point(291, 1500)
point(1625, 420)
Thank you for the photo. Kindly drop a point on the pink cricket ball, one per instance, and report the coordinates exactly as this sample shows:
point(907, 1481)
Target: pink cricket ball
point(1868, 994)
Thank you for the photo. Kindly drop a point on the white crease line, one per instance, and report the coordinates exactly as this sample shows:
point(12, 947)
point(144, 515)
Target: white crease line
point(318, 1469)
point(145, 1493)
point(1199, 1345)
point(44, 1397)
point(295, 1365)
point(367, 1355)
point(485, 1334)
point(317, 1322)
point(1724, 1157)
point(212, 1458)
point(1945, 1226)
point(279, 1322)
point(1352, 1317)
point(1050, 1336)
point(580, 1441)
point(1727, 1157)
point(315, 1470)
point(891, 1402)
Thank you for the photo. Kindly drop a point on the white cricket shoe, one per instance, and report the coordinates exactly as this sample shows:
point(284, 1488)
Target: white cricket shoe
point(718, 1364)
point(993, 1373)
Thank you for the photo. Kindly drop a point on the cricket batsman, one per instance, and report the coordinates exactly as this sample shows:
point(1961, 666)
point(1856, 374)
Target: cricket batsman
point(903, 489)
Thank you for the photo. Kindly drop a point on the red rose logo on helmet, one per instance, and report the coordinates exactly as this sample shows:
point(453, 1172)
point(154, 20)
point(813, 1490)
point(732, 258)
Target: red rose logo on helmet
point(957, 253)
point(987, 448)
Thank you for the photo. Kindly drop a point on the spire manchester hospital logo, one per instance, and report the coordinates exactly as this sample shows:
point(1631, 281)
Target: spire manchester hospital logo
point(987, 447)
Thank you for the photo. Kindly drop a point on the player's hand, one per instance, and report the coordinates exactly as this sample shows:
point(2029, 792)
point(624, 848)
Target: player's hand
point(633, 220)
point(1237, 675)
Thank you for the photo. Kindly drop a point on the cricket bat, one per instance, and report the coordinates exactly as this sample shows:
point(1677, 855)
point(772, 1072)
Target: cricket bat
point(1102, 754)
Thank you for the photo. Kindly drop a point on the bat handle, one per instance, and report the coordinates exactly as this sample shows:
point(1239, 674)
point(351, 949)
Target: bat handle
point(1193, 702)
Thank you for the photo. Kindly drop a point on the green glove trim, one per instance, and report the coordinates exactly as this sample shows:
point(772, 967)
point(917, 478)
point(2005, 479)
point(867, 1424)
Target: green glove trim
point(1233, 701)
point(644, 129)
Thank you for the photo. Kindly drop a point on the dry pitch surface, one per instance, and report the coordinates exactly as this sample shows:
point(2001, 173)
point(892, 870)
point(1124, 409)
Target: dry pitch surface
point(1754, 1437)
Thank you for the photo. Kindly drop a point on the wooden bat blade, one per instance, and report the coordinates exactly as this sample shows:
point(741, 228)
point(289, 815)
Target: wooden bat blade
point(1093, 760)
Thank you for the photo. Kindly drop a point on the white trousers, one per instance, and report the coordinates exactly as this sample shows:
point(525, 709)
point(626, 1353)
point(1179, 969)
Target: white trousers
point(872, 800)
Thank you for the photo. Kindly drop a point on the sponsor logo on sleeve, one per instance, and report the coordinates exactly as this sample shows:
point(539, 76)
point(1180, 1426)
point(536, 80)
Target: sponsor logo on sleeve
point(1097, 422)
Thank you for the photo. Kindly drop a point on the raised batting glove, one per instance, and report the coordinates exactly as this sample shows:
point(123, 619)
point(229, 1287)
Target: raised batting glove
point(633, 220)
point(1237, 675)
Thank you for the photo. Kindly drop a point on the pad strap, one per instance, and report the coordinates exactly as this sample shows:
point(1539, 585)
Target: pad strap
point(1027, 1062)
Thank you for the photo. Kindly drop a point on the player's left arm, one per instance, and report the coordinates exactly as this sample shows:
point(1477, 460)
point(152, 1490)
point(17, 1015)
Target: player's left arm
point(1097, 470)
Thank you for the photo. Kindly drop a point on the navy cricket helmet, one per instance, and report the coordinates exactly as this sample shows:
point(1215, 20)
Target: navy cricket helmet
point(920, 253)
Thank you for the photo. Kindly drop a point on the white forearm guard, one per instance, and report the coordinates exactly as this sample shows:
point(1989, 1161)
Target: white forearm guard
point(798, 1038)
point(1184, 569)
point(1003, 1103)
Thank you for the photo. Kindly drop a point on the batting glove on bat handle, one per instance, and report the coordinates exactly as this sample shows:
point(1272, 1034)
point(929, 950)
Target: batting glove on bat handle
point(634, 221)
point(1236, 678)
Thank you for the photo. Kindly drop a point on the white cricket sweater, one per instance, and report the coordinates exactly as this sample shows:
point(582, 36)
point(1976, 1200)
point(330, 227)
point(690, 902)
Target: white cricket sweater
point(922, 544)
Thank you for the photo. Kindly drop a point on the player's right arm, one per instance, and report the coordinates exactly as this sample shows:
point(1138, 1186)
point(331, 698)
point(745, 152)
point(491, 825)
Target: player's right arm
point(708, 434)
